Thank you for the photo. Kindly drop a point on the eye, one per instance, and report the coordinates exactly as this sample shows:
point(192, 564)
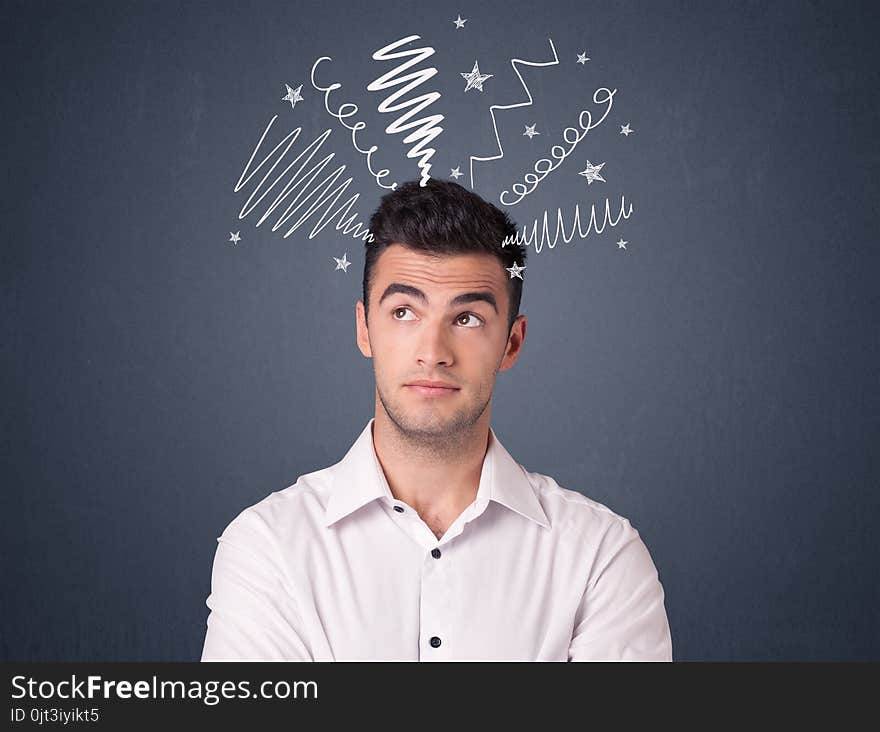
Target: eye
point(397, 310)
point(478, 321)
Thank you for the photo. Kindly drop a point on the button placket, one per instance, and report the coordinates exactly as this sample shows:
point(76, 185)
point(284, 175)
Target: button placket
point(435, 608)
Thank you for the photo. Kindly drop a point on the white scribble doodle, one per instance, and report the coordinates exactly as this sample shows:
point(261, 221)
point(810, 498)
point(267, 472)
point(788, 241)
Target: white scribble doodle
point(322, 197)
point(343, 263)
point(544, 166)
point(342, 116)
point(591, 173)
point(235, 238)
point(459, 23)
point(516, 270)
point(621, 244)
point(493, 107)
point(456, 172)
point(527, 240)
point(625, 130)
point(530, 130)
point(475, 79)
point(427, 126)
point(582, 58)
point(293, 95)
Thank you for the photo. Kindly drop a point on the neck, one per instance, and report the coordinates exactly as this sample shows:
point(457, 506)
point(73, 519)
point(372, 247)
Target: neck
point(438, 479)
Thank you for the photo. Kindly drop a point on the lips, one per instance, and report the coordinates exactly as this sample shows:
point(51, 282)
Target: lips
point(432, 389)
point(433, 384)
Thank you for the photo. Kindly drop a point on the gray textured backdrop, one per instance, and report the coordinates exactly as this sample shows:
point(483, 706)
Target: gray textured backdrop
point(716, 383)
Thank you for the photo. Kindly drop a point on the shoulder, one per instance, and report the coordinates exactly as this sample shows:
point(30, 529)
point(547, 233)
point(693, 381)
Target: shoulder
point(570, 505)
point(589, 529)
point(574, 515)
point(291, 511)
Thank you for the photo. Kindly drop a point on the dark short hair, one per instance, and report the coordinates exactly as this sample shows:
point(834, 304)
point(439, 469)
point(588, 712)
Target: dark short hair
point(444, 218)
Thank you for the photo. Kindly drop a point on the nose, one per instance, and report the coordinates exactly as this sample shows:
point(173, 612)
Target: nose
point(433, 346)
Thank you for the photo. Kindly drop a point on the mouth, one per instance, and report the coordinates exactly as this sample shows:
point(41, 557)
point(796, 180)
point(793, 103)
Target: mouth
point(431, 391)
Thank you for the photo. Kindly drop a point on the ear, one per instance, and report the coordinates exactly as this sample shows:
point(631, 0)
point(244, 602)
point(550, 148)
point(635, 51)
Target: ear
point(363, 335)
point(514, 342)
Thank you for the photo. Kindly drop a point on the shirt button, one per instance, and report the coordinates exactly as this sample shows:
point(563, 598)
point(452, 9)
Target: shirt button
point(399, 509)
point(435, 641)
point(435, 553)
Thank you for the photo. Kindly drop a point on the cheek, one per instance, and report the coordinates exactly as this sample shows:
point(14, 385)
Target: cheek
point(388, 346)
point(481, 358)
point(476, 353)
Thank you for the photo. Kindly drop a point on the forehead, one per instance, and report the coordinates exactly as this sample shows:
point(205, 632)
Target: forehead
point(438, 272)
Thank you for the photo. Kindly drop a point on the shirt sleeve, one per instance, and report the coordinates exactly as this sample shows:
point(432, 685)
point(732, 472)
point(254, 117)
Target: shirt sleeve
point(253, 616)
point(621, 616)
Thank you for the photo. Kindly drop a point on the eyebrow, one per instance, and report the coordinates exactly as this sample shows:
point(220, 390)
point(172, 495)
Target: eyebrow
point(464, 298)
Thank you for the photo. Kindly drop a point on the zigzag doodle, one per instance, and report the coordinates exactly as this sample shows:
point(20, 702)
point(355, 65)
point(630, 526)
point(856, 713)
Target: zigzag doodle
point(493, 107)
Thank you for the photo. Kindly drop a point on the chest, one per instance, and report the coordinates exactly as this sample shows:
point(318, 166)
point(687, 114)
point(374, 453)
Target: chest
point(384, 596)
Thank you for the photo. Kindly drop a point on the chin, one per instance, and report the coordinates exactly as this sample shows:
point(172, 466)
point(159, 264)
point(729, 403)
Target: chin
point(428, 421)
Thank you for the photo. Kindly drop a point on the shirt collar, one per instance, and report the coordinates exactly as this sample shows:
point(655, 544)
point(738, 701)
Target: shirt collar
point(358, 479)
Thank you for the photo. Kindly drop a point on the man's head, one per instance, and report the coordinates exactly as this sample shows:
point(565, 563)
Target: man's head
point(439, 305)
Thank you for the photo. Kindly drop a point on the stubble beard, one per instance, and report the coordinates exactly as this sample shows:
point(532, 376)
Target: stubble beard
point(443, 437)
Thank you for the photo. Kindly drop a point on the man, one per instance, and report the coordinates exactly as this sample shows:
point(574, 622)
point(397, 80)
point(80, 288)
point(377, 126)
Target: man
point(428, 541)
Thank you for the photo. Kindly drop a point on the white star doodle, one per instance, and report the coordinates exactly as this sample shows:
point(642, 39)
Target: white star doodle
point(342, 263)
point(625, 130)
point(475, 79)
point(293, 95)
point(591, 173)
point(456, 173)
point(234, 238)
point(459, 23)
point(515, 270)
point(530, 131)
point(621, 244)
point(583, 58)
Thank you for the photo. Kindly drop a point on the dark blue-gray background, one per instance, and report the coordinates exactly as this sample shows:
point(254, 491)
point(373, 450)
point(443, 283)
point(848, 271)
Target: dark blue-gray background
point(716, 382)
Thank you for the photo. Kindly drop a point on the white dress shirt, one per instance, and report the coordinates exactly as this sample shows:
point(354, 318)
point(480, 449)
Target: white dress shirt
point(335, 568)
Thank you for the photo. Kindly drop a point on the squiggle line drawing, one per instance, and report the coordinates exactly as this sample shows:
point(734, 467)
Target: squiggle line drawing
point(493, 107)
point(322, 197)
point(427, 130)
point(341, 116)
point(521, 238)
point(521, 190)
